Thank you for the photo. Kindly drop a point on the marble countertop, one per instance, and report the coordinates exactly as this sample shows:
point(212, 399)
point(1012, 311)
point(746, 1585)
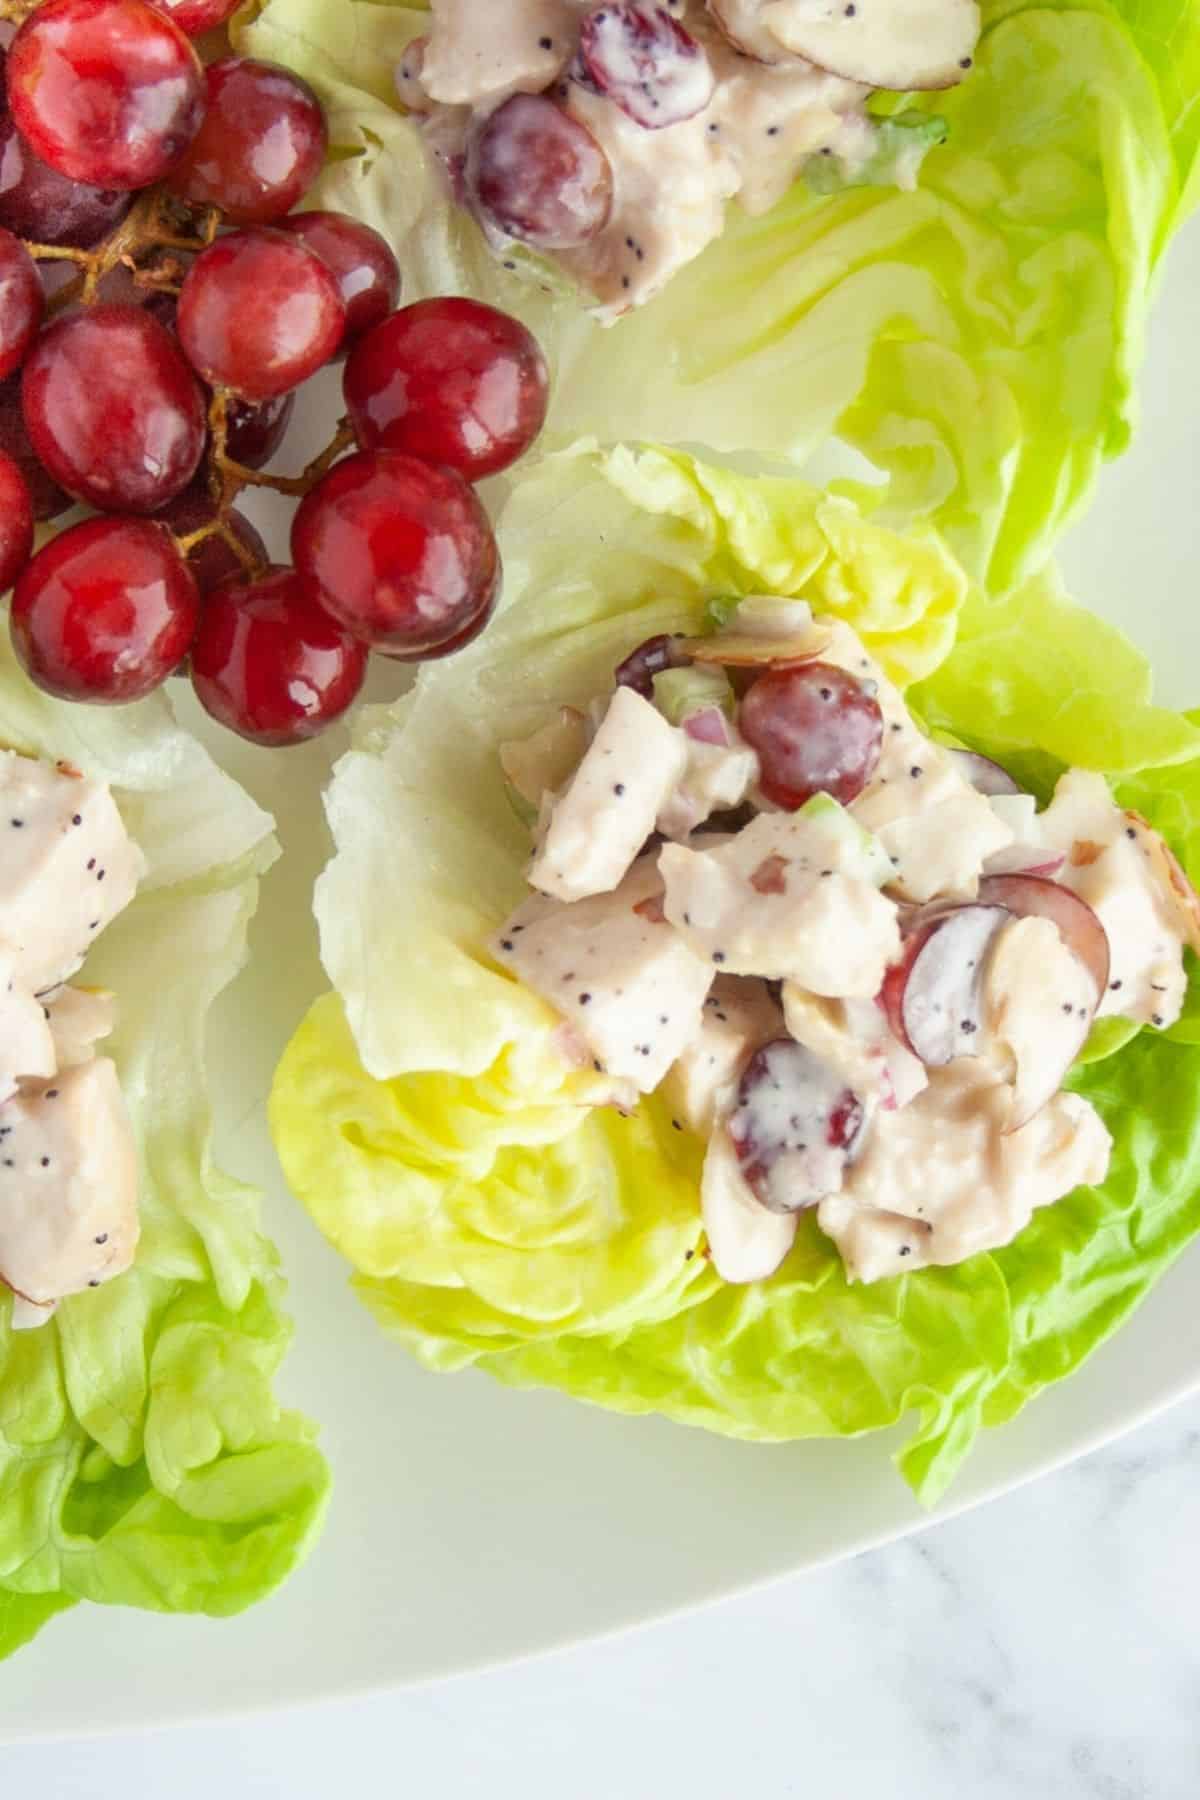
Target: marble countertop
point(1047, 1644)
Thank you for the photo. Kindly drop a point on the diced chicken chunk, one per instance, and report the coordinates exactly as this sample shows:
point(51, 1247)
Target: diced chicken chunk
point(1113, 862)
point(79, 1019)
point(603, 819)
point(791, 897)
point(717, 777)
point(71, 868)
point(26, 1045)
point(936, 829)
point(1039, 1002)
point(944, 1178)
point(738, 1017)
point(68, 1184)
point(854, 1038)
point(627, 983)
point(747, 1241)
point(465, 64)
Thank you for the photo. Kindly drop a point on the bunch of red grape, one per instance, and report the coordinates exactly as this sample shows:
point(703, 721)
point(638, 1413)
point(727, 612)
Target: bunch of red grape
point(159, 381)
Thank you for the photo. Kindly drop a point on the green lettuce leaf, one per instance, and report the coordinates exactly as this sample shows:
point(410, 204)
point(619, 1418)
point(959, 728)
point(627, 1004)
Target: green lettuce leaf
point(423, 1115)
point(144, 1459)
point(976, 339)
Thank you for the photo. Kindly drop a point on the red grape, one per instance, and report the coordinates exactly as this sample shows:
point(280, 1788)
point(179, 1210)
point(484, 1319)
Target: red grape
point(271, 664)
point(37, 202)
point(816, 730)
point(537, 174)
point(402, 553)
point(16, 523)
point(212, 562)
point(105, 611)
point(794, 1126)
point(646, 63)
point(453, 381)
point(259, 313)
point(105, 91)
point(260, 147)
point(21, 303)
point(254, 433)
point(112, 409)
point(367, 274)
point(197, 16)
point(49, 500)
point(648, 660)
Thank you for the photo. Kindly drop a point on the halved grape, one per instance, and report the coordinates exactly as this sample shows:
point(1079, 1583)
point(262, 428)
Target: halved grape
point(259, 313)
point(16, 523)
point(105, 91)
point(816, 730)
point(22, 303)
point(537, 174)
point(270, 663)
point(646, 63)
point(450, 380)
point(112, 409)
point(794, 1127)
point(260, 147)
point(105, 611)
point(652, 658)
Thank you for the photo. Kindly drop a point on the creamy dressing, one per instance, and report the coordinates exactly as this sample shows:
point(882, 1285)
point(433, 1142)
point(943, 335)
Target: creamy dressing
point(937, 830)
point(828, 995)
point(670, 184)
point(785, 899)
point(1111, 861)
point(68, 1163)
point(945, 1177)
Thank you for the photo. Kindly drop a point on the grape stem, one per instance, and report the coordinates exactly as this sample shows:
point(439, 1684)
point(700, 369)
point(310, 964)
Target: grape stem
point(219, 528)
point(229, 476)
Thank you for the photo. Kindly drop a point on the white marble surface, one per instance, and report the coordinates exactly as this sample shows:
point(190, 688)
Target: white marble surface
point(1047, 1645)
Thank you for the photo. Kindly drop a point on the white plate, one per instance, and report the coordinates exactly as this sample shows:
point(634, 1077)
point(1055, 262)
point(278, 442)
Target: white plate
point(471, 1524)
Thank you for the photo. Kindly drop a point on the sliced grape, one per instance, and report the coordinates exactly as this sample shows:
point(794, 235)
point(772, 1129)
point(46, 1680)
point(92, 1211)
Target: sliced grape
point(112, 409)
point(1033, 896)
point(106, 91)
point(984, 775)
point(537, 174)
point(654, 657)
point(941, 987)
point(644, 60)
point(105, 611)
point(795, 1126)
point(816, 730)
point(16, 523)
point(21, 303)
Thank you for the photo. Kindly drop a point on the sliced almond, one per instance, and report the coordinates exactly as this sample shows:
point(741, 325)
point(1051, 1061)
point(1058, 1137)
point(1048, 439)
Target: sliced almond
point(1179, 887)
point(733, 651)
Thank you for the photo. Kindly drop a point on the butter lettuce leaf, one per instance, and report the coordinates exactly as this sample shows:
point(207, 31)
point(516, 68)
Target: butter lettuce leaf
point(975, 339)
point(144, 1457)
point(424, 1115)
